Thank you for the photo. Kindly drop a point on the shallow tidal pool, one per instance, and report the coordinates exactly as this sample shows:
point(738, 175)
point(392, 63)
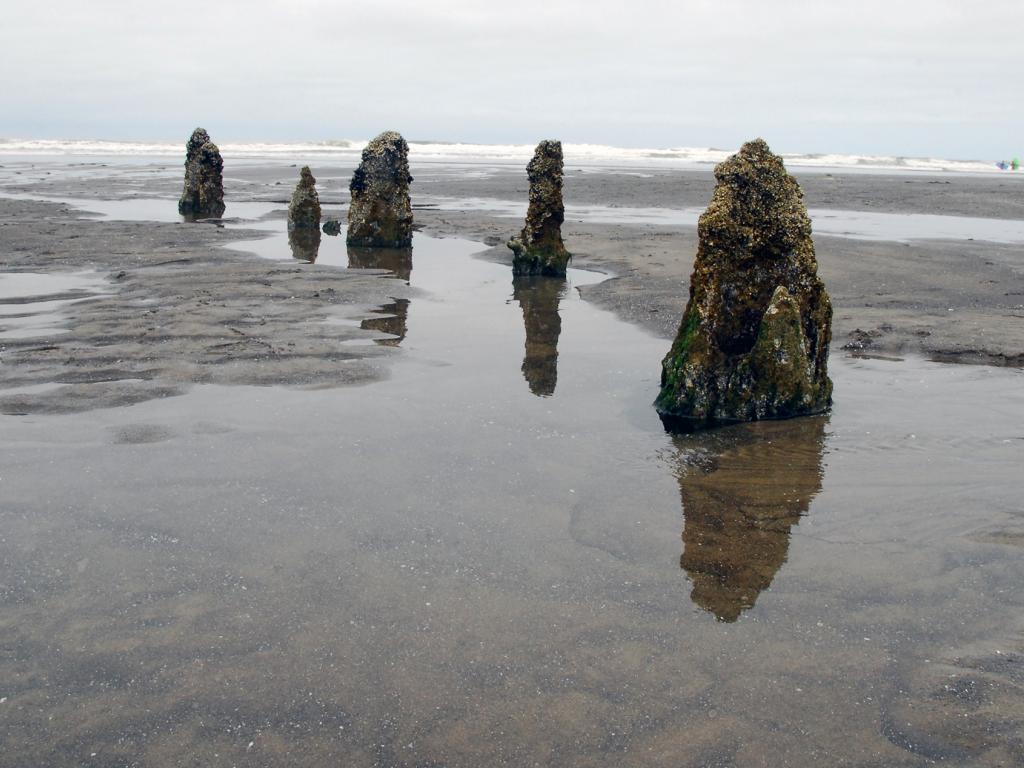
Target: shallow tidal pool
point(498, 557)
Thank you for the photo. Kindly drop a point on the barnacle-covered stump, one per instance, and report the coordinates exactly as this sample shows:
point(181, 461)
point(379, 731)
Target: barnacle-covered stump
point(203, 195)
point(539, 249)
point(753, 341)
point(380, 215)
point(304, 208)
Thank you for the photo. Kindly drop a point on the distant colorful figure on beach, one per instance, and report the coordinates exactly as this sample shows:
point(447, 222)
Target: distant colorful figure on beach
point(380, 215)
point(1015, 164)
point(539, 249)
point(203, 195)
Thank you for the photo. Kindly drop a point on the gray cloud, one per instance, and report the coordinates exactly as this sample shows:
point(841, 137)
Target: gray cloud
point(935, 78)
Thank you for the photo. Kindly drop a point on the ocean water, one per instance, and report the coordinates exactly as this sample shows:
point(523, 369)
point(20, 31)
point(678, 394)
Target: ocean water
point(583, 155)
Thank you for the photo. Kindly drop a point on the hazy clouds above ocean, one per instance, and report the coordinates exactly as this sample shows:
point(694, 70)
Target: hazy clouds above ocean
point(937, 78)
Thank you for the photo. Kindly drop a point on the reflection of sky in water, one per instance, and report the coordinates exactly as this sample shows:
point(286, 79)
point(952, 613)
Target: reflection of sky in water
point(15, 285)
point(862, 225)
point(148, 209)
point(32, 303)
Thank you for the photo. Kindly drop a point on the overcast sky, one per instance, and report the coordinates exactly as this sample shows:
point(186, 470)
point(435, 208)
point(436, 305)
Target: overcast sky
point(939, 78)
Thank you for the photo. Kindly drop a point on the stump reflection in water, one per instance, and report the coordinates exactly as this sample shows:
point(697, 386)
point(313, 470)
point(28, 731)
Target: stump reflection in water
point(397, 260)
point(305, 244)
point(393, 317)
point(393, 320)
point(539, 297)
point(741, 496)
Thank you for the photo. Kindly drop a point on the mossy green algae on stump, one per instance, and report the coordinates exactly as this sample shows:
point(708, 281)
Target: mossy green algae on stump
point(203, 195)
point(753, 341)
point(380, 215)
point(539, 249)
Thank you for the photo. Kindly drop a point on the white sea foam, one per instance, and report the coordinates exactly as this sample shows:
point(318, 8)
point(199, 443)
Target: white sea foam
point(580, 155)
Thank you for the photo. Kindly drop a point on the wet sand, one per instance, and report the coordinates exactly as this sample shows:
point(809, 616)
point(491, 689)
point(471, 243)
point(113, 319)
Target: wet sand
point(179, 309)
point(490, 552)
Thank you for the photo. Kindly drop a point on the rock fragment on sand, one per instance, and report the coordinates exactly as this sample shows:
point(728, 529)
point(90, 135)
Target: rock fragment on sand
point(203, 195)
point(380, 215)
point(754, 338)
point(332, 227)
point(539, 249)
point(304, 208)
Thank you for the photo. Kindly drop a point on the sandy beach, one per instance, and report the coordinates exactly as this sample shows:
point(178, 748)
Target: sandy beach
point(260, 511)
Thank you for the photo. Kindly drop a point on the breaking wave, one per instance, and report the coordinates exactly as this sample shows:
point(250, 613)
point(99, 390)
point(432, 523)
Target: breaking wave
point(594, 155)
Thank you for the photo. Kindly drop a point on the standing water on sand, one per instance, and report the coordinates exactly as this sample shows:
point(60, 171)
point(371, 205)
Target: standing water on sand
point(489, 552)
